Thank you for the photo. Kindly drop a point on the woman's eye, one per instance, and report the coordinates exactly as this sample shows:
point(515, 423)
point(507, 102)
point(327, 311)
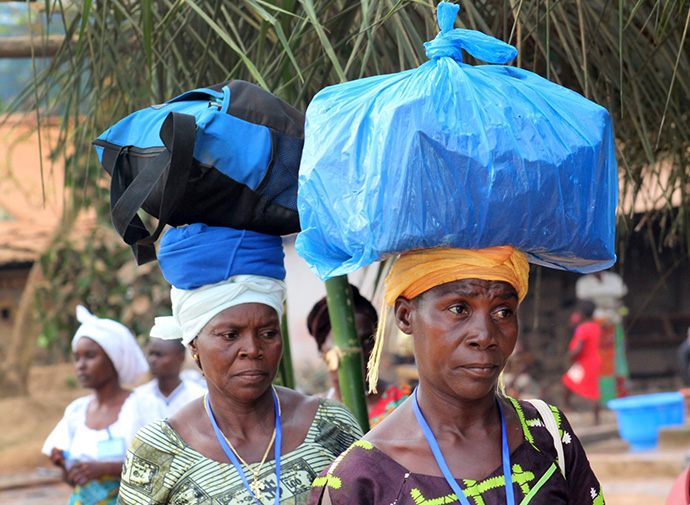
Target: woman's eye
point(458, 309)
point(229, 336)
point(268, 335)
point(503, 313)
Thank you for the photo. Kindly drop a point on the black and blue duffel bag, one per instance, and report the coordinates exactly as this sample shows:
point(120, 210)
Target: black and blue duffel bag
point(226, 155)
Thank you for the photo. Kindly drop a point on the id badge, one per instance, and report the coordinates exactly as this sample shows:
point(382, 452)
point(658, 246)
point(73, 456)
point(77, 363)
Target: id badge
point(111, 448)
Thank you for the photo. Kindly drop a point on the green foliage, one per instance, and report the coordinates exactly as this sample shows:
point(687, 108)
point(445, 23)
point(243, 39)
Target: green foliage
point(14, 20)
point(628, 56)
point(121, 56)
point(92, 268)
point(71, 382)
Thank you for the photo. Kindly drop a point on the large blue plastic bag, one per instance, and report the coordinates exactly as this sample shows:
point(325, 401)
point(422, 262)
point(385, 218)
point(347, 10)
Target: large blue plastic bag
point(455, 155)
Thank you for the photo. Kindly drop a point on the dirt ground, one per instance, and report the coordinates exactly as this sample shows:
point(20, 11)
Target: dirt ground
point(26, 422)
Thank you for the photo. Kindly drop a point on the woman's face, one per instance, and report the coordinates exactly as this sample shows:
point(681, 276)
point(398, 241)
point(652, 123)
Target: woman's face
point(165, 358)
point(464, 333)
point(92, 364)
point(240, 349)
point(366, 331)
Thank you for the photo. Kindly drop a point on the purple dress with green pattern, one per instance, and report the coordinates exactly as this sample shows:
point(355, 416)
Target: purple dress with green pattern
point(363, 475)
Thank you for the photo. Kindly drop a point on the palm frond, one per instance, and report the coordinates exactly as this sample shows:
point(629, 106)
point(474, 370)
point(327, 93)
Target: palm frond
point(630, 57)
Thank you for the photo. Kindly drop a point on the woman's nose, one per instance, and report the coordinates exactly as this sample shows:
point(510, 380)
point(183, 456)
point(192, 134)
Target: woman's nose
point(481, 331)
point(251, 347)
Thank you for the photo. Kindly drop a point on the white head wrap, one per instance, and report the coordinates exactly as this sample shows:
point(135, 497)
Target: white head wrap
point(166, 328)
point(193, 309)
point(117, 342)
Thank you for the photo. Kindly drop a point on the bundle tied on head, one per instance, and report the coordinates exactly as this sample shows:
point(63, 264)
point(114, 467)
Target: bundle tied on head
point(116, 341)
point(214, 268)
point(416, 272)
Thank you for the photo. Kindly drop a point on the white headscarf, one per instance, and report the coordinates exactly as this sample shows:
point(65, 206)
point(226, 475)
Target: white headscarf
point(166, 328)
point(117, 342)
point(193, 309)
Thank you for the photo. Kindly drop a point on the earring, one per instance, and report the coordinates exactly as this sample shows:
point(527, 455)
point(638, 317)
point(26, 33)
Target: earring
point(196, 357)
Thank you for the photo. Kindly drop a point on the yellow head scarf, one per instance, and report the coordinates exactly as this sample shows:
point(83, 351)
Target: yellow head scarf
point(418, 271)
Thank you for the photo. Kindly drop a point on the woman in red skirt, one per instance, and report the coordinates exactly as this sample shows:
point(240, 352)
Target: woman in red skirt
point(582, 378)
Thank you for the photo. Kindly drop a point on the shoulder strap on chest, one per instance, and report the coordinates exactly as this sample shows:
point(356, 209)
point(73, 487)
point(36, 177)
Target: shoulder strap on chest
point(550, 423)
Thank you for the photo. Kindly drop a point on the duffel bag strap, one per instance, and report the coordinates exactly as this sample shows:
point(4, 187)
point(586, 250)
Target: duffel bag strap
point(173, 164)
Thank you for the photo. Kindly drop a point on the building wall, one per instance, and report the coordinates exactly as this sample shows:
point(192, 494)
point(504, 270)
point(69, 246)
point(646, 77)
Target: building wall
point(659, 302)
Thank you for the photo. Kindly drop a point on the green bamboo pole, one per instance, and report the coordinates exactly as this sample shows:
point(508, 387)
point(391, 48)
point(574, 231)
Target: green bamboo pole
point(351, 370)
point(286, 373)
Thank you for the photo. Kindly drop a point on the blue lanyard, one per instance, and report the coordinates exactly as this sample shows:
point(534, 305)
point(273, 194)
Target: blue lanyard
point(436, 450)
point(231, 455)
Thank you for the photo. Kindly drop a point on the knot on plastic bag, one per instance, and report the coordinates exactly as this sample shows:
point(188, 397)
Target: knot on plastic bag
point(450, 42)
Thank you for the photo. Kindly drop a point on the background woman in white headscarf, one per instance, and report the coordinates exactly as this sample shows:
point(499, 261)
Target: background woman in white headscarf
point(90, 441)
point(246, 441)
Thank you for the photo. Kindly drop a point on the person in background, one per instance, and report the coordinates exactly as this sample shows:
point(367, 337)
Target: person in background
point(582, 378)
point(246, 441)
point(606, 290)
point(388, 396)
point(168, 391)
point(457, 438)
point(90, 441)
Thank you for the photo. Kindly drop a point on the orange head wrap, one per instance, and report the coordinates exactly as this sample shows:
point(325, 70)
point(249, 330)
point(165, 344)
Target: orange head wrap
point(419, 271)
point(416, 272)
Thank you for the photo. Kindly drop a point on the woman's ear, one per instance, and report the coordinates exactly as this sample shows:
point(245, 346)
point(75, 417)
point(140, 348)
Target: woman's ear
point(404, 314)
point(192, 347)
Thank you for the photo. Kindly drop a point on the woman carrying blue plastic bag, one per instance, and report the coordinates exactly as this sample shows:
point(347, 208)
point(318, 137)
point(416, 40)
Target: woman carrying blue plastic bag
point(479, 181)
point(458, 439)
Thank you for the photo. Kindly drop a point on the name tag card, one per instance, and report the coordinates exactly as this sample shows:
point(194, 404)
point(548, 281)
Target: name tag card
point(111, 448)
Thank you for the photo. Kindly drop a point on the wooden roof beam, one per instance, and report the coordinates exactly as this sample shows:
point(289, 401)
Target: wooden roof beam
point(20, 47)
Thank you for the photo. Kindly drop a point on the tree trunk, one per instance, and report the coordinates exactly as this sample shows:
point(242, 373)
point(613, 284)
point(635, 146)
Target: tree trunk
point(286, 372)
point(14, 371)
point(351, 371)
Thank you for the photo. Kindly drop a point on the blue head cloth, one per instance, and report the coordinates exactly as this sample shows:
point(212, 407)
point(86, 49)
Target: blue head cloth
point(198, 255)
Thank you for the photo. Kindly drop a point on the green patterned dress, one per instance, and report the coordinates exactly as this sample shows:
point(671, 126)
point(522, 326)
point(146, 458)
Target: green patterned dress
point(160, 468)
point(364, 475)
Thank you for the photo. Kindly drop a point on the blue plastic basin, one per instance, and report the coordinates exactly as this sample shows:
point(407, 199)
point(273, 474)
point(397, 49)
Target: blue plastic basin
point(640, 417)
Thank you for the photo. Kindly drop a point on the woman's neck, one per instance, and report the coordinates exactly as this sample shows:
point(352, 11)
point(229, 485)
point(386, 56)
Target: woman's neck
point(110, 392)
point(104, 410)
point(455, 414)
point(168, 383)
point(243, 418)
